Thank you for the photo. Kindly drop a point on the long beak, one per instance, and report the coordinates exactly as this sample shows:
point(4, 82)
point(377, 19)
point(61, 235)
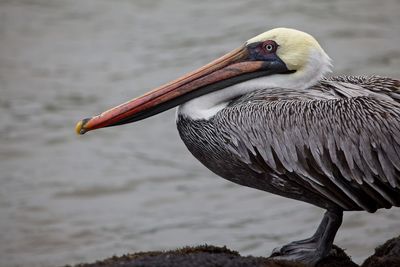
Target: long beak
point(234, 67)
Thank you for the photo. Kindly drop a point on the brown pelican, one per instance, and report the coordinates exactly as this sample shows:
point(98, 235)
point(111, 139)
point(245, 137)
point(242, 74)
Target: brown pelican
point(264, 116)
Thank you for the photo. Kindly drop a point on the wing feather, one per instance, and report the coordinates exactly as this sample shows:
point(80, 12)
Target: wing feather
point(344, 144)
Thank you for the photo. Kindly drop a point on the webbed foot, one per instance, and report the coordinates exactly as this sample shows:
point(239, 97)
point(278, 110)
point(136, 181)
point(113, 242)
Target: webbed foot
point(311, 250)
point(300, 251)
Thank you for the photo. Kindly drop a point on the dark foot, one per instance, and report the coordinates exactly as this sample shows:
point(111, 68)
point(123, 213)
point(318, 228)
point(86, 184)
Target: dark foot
point(300, 251)
point(315, 248)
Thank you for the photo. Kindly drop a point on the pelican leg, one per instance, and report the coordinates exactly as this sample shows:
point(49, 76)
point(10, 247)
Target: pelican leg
point(313, 249)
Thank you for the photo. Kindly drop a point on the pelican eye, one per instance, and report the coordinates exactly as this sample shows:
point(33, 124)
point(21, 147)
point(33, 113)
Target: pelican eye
point(270, 46)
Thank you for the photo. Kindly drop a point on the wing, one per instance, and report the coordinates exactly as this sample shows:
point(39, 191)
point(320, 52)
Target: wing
point(340, 138)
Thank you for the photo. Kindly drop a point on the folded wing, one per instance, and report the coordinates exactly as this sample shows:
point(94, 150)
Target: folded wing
point(340, 138)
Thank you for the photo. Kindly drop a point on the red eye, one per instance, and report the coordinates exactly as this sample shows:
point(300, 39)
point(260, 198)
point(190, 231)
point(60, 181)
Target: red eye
point(270, 46)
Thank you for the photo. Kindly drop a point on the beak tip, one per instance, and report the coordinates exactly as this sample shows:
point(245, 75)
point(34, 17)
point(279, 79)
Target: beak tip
point(80, 127)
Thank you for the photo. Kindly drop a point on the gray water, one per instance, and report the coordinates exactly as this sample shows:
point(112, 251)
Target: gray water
point(66, 198)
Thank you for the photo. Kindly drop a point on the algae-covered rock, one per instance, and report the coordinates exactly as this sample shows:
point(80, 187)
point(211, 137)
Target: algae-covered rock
point(386, 255)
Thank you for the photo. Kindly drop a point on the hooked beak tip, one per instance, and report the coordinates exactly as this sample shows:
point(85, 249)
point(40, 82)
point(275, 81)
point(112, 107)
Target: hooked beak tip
point(80, 126)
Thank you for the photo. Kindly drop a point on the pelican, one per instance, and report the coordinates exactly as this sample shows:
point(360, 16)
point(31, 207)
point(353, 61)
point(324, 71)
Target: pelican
point(265, 116)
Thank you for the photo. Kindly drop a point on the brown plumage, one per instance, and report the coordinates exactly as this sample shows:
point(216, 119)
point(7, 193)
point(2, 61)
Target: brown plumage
point(263, 116)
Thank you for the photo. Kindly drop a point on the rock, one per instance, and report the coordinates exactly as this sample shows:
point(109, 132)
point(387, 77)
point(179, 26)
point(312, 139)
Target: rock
point(387, 255)
point(337, 258)
point(204, 256)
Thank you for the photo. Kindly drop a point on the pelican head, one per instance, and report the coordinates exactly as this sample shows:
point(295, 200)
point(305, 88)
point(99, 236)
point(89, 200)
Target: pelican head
point(281, 57)
point(297, 49)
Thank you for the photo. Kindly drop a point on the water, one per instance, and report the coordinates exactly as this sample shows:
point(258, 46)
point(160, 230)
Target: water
point(66, 199)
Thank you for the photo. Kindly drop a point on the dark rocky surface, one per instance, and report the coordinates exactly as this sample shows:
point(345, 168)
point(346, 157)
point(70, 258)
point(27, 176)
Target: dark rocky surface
point(386, 255)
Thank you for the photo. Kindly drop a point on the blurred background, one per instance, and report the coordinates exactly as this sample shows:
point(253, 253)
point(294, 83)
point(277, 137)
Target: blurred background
point(66, 198)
